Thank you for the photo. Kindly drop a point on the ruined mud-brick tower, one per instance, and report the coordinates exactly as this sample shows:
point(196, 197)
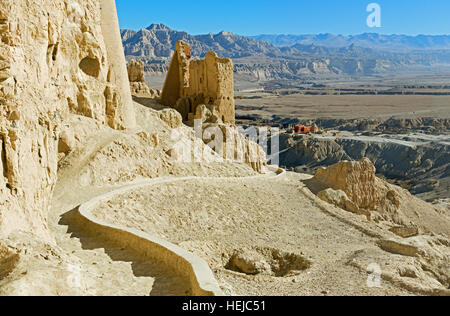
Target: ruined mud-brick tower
point(190, 83)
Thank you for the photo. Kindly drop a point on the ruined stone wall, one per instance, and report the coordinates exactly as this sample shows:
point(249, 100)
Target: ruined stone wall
point(57, 58)
point(190, 83)
point(138, 86)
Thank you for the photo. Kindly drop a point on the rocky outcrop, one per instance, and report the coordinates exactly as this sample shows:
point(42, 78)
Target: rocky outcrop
point(142, 90)
point(405, 231)
point(376, 198)
point(398, 248)
point(418, 162)
point(57, 58)
point(207, 114)
point(226, 139)
point(357, 180)
point(267, 261)
point(248, 262)
point(238, 147)
point(171, 117)
point(419, 264)
point(340, 199)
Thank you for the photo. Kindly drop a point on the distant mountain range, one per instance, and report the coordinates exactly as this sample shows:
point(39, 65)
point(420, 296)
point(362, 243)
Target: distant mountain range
point(159, 41)
point(391, 43)
point(269, 57)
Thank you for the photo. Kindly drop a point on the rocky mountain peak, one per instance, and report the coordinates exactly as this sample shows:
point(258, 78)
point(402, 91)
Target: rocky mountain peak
point(158, 27)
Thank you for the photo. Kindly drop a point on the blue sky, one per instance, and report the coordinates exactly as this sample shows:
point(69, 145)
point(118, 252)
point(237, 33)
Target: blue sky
point(252, 17)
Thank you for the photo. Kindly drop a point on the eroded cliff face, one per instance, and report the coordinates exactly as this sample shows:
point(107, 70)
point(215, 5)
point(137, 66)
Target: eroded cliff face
point(364, 193)
point(54, 62)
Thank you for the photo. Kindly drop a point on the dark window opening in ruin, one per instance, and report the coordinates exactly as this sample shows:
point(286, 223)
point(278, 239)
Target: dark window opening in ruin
point(90, 66)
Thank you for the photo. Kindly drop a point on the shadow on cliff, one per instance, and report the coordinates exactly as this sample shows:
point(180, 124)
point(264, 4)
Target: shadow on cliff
point(165, 283)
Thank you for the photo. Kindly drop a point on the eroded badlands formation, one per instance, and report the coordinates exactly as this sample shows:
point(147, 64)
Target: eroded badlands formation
point(55, 61)
point(70, 132)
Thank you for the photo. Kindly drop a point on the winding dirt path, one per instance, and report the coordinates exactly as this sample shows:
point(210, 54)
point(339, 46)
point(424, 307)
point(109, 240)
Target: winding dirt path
point(106, 266)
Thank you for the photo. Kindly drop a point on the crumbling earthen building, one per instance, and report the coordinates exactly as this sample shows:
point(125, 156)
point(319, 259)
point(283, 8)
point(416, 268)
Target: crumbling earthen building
point(190, 83)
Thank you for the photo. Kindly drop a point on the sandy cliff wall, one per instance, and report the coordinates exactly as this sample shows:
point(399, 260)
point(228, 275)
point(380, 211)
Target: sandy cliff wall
point(57, 58)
